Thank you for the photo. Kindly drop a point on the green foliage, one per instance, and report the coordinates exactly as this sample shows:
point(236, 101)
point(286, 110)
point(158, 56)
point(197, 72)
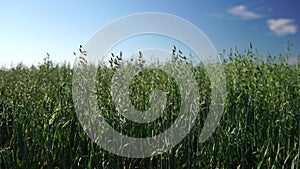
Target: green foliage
point(260, 127)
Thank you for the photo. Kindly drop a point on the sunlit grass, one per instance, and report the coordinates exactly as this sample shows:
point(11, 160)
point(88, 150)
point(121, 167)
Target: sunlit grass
point(260, 127)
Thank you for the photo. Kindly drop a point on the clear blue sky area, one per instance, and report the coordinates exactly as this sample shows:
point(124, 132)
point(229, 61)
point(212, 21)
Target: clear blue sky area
point(30, 29)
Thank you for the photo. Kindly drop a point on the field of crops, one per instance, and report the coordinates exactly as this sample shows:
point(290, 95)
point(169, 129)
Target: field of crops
point(260, 126)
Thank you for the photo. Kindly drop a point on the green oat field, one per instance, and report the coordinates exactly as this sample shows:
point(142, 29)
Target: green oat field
point(260, 126)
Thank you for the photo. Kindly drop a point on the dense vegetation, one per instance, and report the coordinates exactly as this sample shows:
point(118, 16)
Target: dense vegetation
point(260, 126)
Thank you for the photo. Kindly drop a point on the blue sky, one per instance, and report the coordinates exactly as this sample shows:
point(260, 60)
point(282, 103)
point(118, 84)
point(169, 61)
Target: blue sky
point(29, 29)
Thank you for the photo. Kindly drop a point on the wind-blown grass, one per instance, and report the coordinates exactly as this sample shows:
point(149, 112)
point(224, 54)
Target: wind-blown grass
point(260, 126)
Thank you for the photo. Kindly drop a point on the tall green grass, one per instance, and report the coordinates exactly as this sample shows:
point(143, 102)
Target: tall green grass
point(260, 126)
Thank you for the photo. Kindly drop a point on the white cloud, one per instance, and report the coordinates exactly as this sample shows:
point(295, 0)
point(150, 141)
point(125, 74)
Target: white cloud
point(242, 12)
point(282, 26)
